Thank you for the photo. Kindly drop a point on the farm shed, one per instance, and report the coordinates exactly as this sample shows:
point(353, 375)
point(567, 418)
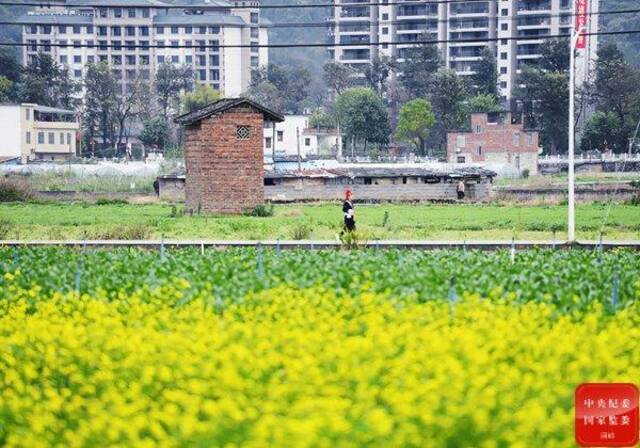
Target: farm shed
point(367, 183)
point(224, 155)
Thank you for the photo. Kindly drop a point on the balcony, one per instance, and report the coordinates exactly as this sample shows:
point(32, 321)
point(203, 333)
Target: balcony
point(417, 10)
point(525, 6)
point(468, 24)
point(347, 39)
point(459, 9)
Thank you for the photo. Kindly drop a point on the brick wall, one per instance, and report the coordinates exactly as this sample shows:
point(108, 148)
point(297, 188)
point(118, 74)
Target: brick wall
point(225, 174)
point(495, 142)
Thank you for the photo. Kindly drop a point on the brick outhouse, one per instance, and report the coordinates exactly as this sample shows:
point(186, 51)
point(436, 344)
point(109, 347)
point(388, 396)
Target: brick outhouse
point(224, 155)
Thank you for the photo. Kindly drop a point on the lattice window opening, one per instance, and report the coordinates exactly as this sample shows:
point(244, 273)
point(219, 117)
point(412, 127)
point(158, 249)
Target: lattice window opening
point(243, 133)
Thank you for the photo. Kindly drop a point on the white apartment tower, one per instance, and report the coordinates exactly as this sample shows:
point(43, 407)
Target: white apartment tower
point(517, 29)
point(137, 36)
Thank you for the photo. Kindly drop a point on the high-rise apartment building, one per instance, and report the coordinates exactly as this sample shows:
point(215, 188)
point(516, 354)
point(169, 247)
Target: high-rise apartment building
point(137, 38)
point(515, 30)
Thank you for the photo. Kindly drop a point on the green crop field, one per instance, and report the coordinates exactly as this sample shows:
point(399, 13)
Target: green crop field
point(320, 221)
point(301, 348)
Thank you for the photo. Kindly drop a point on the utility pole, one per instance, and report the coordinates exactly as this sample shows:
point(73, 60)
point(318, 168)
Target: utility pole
point(298, 146)
point(571, 233)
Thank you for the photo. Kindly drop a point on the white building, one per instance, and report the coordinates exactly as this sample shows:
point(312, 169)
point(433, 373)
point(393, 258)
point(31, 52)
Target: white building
point(519, 27)
point(295, 132)
point(33, 132)
point(137, 39)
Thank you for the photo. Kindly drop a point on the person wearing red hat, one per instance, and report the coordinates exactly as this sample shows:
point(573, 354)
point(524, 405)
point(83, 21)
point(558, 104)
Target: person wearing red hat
point(349, 215)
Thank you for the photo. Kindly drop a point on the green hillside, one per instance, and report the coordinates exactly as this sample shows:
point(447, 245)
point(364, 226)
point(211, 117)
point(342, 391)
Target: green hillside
point(629, 44)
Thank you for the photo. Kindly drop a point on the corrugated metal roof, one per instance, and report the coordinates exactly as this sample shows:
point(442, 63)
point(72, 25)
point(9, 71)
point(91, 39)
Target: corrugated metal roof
point(209, 18)
point(223, 105)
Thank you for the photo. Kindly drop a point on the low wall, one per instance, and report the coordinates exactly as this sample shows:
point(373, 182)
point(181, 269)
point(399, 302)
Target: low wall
point(71, 195)
point(309, 189)
point(584, 193)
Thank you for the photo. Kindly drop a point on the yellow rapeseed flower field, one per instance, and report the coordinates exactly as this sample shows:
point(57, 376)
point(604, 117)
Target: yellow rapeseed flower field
point(300, 367)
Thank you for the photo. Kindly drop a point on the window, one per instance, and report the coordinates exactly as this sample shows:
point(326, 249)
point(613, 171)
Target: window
point(367, 181)
point(77, 59)
point(62, 29)
point(214, 45)
point(160, 59)
point(145, 13)
point(280, 135)
point(503, 41)
point(254, 17)
point(202, 75)
point(188, 59)
point(385, 30)
point(267, 143)
point(460, 141)
point(90, 29)
point(504, 26)
point(503, 56)
point(214, 75)
point(144, 30)
point(77, 73)
point(68, 138)
point(51, 138)
point(159, 30)
point(131, 13)
point(175, 43)
point(529, 138)
point(117, 12)
point(116, 31)
point(62, 43)
point(116, 60)
point(46, 29)
point(131, 31)
point(27, 114)
point(255, 33)
point(131, 59)
point(461, 159)
point(188, 29)
point(479, 150)
point(214, 60)
point(62, 138)
point(202, 30)
point(255, 60)
point(63, 59)
point(175, 59)
point(216, 29)
point(28, 138)
point(503, 70)
point(307, 141)
point(516, 139)
point(385, 16)
point(202, 60)
point(77, 44)
point(174, 30)
point(90, 59)
point(41, 138)
point(478, 129)
point(504, 12)
point(102, 31)
point(242, 133)
point(503, 84)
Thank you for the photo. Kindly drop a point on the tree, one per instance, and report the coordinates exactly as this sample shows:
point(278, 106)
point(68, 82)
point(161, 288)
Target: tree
point(485, 79)
point(362, 116)
point(416, 121)
point(170, 81)
point(376, 73)
point(555, 55)
point(6, 89)
point(156, 132)
point(267, 94)
point(337, 76)
point(323, 120)
point(10, 68)
point(100, 102)
point(47, 83)
point(421, 62)
point(483, 103)
point(447, 96)
point(617, 85)
point(291, 83)
point(544, 99)
point(202, 96)
point(604, 130)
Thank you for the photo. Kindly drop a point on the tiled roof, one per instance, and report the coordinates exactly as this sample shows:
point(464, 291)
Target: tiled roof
point(52, 19)
point(223, 105)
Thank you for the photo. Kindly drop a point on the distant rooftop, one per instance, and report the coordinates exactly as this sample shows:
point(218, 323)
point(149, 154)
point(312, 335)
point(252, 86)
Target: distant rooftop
point(208, 18)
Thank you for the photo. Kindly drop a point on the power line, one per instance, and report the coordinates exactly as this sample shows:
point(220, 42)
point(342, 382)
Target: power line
point(328, 23)
point(326, 45)
point(279, 6)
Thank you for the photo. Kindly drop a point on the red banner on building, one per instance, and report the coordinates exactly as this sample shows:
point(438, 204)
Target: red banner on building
point(582, 18)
